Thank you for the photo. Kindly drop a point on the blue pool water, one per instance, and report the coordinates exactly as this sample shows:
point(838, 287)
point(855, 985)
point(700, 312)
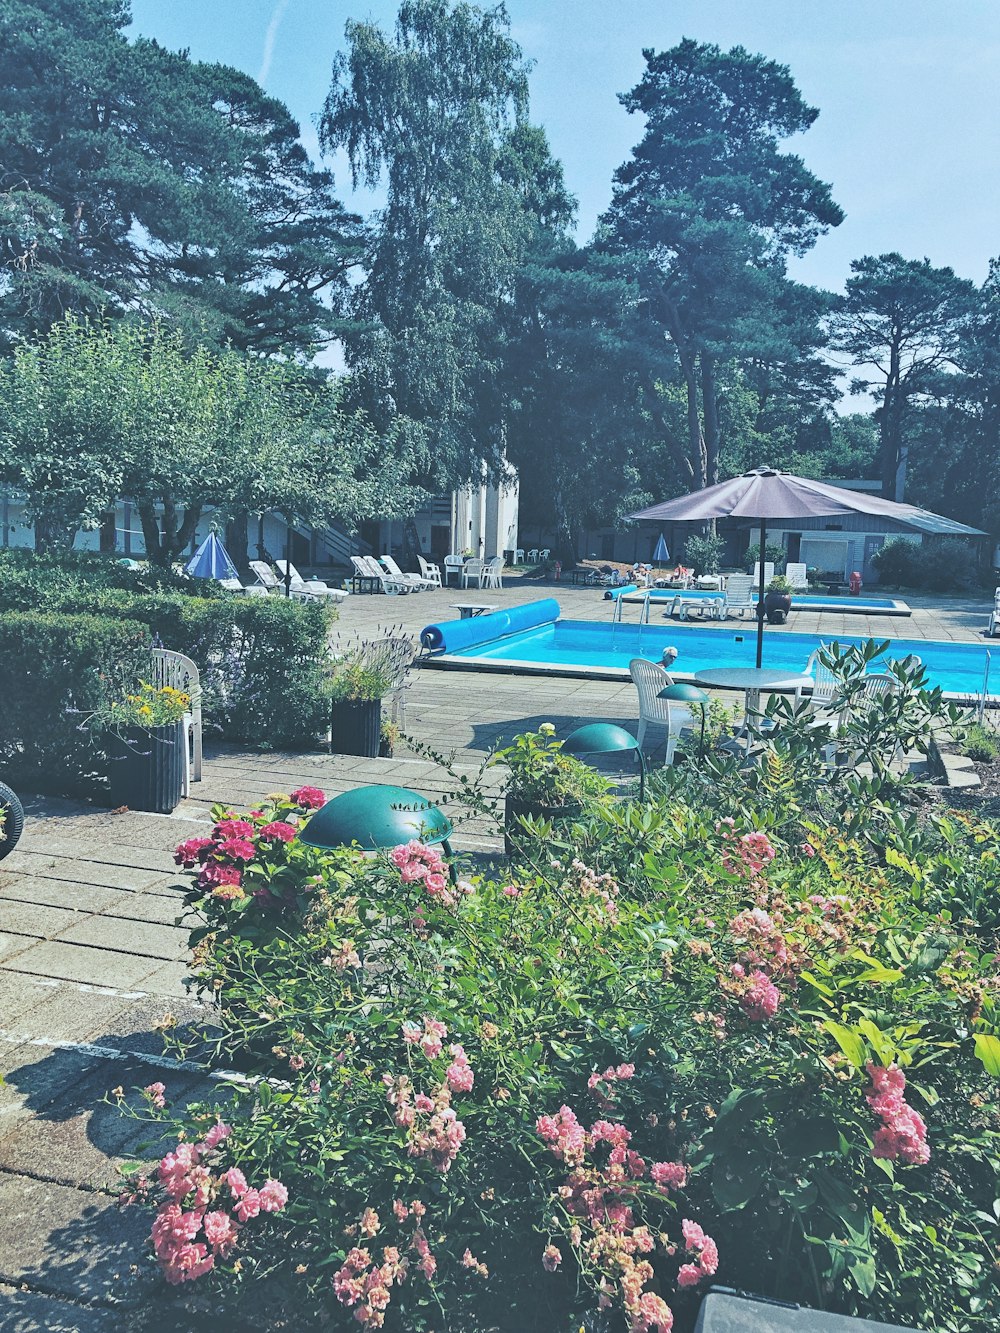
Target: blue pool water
point(801, 601)
point(583, 644)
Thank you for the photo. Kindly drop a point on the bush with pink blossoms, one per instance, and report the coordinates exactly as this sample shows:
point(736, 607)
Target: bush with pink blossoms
point(618, 1073)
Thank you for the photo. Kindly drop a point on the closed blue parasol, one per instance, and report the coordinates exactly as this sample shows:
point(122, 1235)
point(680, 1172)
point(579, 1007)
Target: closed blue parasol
point(661, 555)
point(211, 561)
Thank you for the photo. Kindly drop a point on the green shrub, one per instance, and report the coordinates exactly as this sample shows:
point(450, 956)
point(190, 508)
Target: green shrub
point(703, 554)
point(683, 1016)
point(936, 565)
point(56, 670)
point(981, 744)
point(261, 659)
point(775, 553)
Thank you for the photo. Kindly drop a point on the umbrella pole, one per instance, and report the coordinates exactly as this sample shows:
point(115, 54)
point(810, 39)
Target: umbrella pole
point(760, 592)
point(288, 558)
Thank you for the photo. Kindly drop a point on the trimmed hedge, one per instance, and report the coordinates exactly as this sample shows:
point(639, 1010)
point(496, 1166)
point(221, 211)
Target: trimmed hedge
point(54, 670)
point(261, 660)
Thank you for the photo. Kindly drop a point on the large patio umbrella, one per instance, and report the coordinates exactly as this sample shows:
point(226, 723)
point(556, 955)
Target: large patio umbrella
point(661, 554)
point(211, 561)
point(766, 494)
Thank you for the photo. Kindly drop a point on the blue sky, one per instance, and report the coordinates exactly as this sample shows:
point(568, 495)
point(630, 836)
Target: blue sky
point(909, 126)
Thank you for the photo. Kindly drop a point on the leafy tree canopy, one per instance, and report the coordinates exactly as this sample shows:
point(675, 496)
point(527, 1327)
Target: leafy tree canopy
point(437, 115)
point(133, 178)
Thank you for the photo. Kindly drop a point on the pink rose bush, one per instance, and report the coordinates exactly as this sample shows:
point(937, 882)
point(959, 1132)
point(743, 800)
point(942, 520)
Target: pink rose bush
point(615, 1072)
point(203, 1207)
point(601, 1198)
point(902, 1135)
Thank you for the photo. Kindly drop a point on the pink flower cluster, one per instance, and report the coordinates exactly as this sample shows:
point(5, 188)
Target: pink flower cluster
point(706, 1255)
point(602, 1085)
point(459, 1073)
point(224, 857)
point(603, 1198)
point(434, 1131)
point(902, 1136)
point(308, 798)
point(366, 1285)
point(744, 854)
point(200, 1199)
point(764, 942)
point(417, 862)
point(755, 992)
point(598, 891)
point(430, 1038)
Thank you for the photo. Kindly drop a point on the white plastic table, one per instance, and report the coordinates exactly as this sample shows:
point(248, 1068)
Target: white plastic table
point(467, 610)
point(752, 680)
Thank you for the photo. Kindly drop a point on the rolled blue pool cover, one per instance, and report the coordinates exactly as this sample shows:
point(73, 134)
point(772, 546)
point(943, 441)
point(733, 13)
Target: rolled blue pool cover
point(453, 635)
point(613, 594)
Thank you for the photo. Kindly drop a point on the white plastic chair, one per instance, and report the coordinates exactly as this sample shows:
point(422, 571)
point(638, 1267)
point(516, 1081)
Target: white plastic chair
point(431, 573)
point(519, 556)
point(472, 569)
point(796, 576)
point(493, 572)
point(739, 595)
point(994, 624)
point(544, 553)
point(453, 564)
point(533, 556)
point(180, 673)
point(416, 581)
point(768, 573)
point(649, 678)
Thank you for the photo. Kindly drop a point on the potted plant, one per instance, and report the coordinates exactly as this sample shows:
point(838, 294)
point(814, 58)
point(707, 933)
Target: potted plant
point(144, 739)
point(543, 783)
point(778, 599)
point(360, 678)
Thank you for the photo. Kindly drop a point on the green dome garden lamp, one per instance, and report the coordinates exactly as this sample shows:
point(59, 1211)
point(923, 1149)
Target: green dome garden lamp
point(377, 818)
point(606, 738)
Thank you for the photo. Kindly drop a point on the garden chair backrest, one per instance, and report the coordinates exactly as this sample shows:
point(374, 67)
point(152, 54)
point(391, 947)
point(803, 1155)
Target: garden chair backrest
point(472, 569)
point(826, 685)
point(177, 672)
point(265, 573)
point(430, 571)
point(879, 683)
point(768, 572)
point(739, 591)
point(395, 572)
point(796, 576)
point(649, 679)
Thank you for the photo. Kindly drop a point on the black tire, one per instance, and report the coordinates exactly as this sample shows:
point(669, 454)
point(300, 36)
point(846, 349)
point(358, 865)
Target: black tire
point(13, 824)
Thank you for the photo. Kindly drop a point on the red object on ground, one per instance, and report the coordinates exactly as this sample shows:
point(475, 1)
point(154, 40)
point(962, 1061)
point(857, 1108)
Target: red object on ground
point(855, 584)
point(557, 575)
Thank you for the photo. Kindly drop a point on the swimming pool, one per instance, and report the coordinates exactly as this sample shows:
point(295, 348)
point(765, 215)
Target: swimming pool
point(588, 648)
point(801, 601)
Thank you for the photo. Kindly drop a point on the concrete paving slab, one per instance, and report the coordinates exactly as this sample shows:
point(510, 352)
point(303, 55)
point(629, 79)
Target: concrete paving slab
point(55, 892)
point(67, 1241)
point(36, 1312)
point(126, 936)
point(92, 873)
point(36, 919)
point(81, 962)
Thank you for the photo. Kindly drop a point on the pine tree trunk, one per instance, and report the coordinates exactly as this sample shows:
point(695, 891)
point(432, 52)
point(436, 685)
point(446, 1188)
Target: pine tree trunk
point(710, 412)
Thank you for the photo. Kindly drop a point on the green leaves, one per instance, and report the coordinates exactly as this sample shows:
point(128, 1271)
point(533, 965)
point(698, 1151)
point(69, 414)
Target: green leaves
point(988, 1052)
